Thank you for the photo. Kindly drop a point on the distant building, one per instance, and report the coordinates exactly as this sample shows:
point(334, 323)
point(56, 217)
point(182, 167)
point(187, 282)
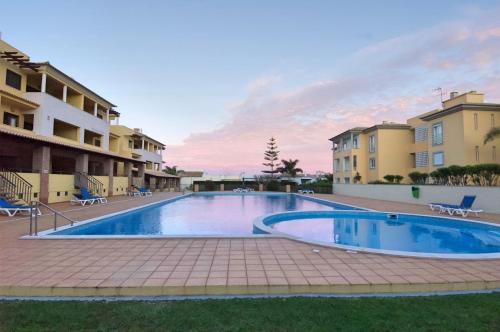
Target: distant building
point(453, 135)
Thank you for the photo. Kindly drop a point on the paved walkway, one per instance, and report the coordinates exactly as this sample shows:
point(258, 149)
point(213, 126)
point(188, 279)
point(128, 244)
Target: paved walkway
point(184, 266)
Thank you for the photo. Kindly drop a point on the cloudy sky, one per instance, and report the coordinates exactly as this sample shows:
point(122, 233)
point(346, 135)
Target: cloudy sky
point(215, 79)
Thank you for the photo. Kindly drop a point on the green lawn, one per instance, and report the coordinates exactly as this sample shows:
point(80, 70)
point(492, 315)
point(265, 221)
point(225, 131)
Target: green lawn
point(438, 313)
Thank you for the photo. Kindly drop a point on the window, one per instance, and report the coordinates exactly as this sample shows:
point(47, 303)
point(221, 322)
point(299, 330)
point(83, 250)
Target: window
point(346, 163)
point(13, 80)
point(475, 121)
point(347, 180)
point(344, 146)
point(492, 120)
point(336, 165)
point(10, 119)
point(354, 162)
point(28, 121)
point(355, 143)
point(371, 144)
point(372, 163)
point(337, 180)
point(437, 133)
point(476, 151)
point(421, 134)
point(438, 158)
point(130, 144)
point(421, 159)
point(494, 153)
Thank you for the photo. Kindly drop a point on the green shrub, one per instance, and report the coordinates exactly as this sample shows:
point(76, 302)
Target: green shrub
point(273, 185)
point(378, 182)
point(398, 178)
point(357, 178)
point(418, 177)
point(389, 178)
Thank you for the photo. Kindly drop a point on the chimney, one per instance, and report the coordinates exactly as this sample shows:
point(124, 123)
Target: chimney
point(453, 94)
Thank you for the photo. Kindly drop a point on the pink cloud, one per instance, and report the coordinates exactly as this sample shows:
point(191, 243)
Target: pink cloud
point(392, 80)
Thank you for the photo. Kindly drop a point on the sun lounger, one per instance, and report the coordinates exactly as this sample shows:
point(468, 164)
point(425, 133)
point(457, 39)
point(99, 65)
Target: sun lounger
point(11, 209)
point(133, 193)
point(85, 197)
point(79, 199)
point(145, 192)
point(306, 191)
point(463, 209)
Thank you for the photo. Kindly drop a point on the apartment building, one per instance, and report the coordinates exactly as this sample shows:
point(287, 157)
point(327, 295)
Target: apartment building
point(55, 134)
point(134, 144)
point(452, 135)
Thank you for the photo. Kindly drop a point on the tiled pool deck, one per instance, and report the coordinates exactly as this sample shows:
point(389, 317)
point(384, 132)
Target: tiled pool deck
point(206, 266)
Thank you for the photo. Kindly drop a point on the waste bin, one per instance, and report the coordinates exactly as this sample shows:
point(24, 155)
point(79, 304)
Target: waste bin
point(415, 191)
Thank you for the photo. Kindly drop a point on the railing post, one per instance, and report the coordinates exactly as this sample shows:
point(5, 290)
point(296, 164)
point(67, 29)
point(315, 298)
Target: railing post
point(31, 219)
point(36, 220)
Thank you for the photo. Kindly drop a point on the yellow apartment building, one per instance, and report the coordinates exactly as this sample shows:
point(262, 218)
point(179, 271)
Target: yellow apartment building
point(133, 143)
point(55, 135)
point(452, 135)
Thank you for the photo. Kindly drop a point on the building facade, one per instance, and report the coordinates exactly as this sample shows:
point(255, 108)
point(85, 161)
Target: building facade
point(453, 135)
point(56, 134)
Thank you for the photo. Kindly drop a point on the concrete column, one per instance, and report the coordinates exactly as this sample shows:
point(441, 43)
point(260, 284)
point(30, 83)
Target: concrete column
point(140, 172)
point(107, 115)
point(95, 110)
point(143, 143)
point(128, 172)
point(196, 187)
point(152, 183)
point(82, 163)
point(65, 93)
point(108, 170)
point(163, 184)
point(44, 83)
point(41, 164)
point(288, 188)
point(261, 187)
point(221, 187)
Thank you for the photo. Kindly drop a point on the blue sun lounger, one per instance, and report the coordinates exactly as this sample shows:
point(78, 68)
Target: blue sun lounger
point(463, 209)
point(11, 209)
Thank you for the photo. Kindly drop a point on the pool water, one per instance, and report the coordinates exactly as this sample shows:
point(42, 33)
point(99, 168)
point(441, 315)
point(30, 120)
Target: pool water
point(200, 214)
point(407, 233)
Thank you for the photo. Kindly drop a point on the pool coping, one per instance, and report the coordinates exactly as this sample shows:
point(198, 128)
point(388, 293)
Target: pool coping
point(260, 224)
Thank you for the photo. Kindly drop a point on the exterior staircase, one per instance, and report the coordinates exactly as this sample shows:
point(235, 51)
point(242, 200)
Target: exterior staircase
point(88, 181)
point(14, 188)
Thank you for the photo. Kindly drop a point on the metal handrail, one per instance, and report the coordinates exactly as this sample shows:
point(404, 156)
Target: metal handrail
point(84, 179)
point(17, 186)
point(35, 207)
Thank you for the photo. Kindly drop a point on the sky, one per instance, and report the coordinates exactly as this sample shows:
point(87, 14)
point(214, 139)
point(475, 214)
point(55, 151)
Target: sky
point(215, 80)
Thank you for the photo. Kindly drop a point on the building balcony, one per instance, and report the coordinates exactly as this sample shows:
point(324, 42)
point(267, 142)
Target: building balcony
point(145, 155)
point(53, 111)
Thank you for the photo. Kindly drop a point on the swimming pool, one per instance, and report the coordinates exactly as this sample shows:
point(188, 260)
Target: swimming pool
point(395, 233)
point(298, 217)
point(201, 214)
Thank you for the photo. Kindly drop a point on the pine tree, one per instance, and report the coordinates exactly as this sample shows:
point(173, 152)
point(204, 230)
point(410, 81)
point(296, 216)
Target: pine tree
point(271, 156)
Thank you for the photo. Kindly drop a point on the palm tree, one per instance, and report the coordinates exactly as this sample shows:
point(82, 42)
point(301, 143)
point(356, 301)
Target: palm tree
point(171, 170)
point(492, 134)
point(289, 167)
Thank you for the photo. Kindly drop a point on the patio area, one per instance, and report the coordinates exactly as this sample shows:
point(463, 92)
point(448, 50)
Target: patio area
point(216, 266)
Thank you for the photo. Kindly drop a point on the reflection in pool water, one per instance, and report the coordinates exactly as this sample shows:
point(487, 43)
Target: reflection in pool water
point(408, 233)
point(200, 214)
